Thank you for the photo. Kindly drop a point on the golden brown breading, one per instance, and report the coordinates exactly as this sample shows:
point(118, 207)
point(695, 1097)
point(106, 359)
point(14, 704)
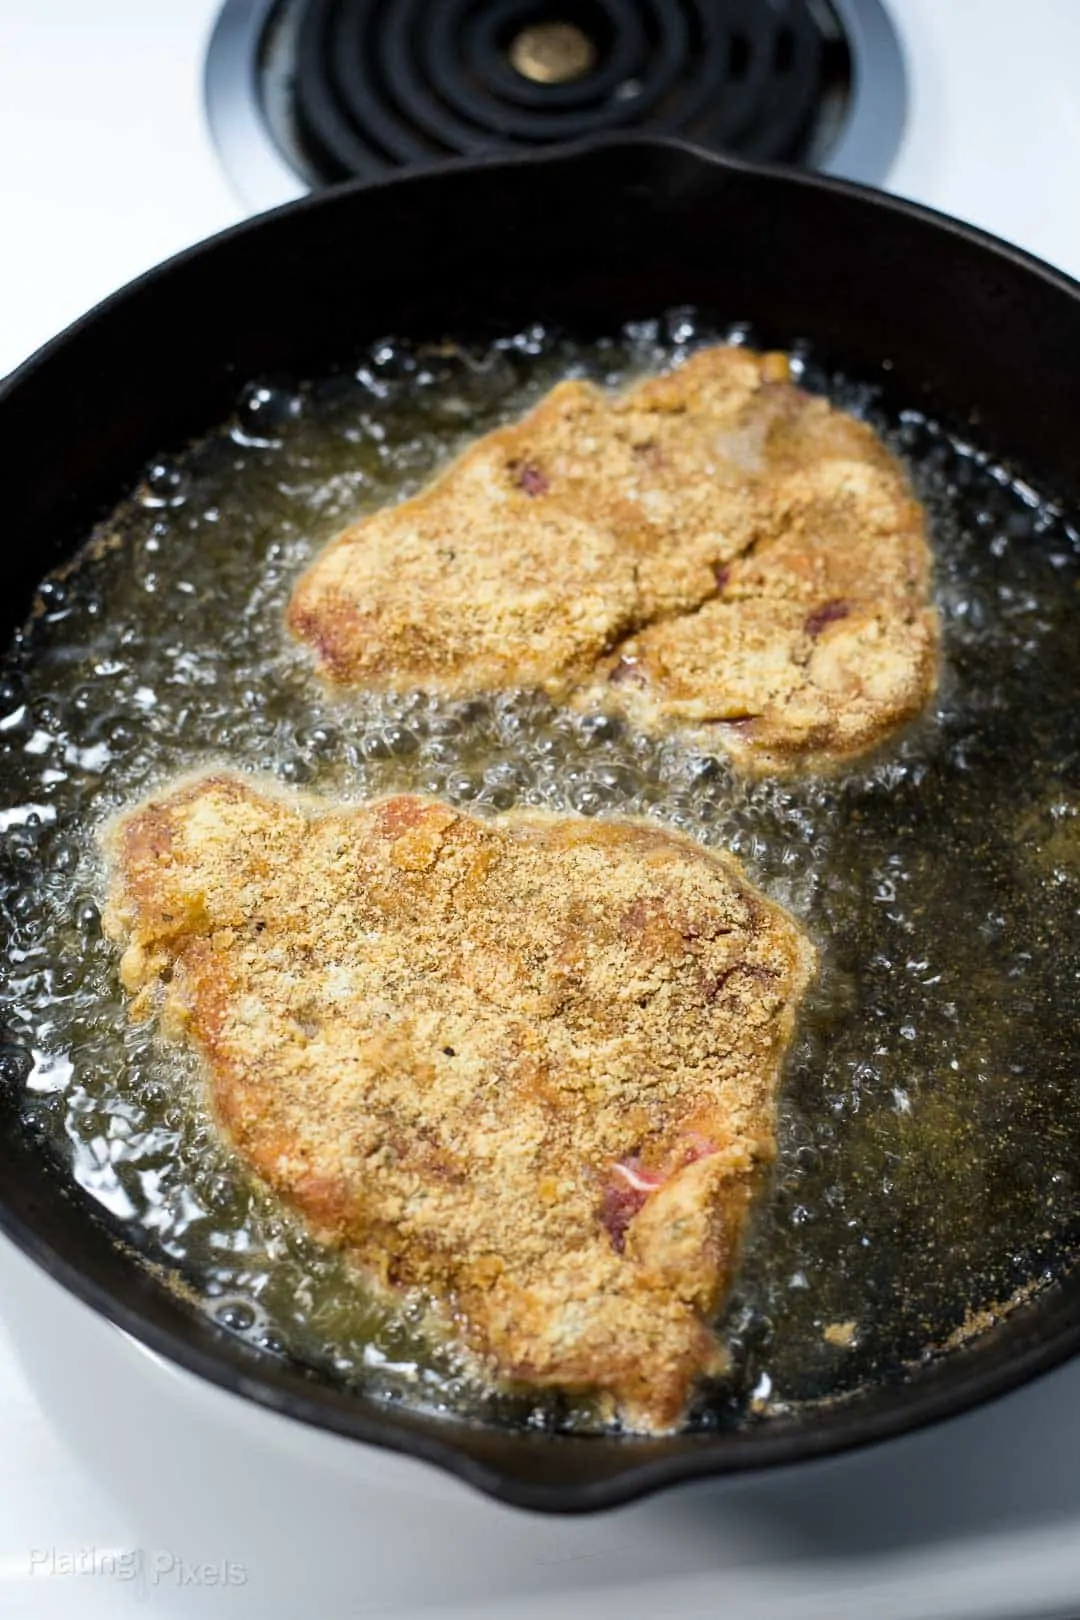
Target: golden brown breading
point(527, 1065)
point(816, 644)
point(713, 548)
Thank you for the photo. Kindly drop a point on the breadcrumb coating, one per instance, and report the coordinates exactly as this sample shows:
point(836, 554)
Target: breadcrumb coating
point(713, 548)
point(527, 1065)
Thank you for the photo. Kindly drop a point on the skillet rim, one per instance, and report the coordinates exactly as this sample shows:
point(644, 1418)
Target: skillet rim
point(563, 153)
point(933, 1391)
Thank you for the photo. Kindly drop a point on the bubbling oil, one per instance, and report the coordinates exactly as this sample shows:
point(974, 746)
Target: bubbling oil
point(930, 1123)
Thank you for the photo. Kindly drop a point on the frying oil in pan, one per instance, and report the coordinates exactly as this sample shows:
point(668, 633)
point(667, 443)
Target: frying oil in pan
point(931, 1118)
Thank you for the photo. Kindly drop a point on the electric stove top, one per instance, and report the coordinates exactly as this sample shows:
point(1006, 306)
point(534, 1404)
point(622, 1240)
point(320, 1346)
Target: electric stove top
point(131, 130)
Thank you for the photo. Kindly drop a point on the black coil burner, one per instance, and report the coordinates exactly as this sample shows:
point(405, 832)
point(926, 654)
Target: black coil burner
point(364, 87)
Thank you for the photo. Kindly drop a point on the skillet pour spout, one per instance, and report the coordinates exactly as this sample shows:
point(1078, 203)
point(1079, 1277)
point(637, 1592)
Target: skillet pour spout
point(956, 324)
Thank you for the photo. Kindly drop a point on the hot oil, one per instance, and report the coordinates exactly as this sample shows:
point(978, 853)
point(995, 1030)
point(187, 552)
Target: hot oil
point(931, 1117)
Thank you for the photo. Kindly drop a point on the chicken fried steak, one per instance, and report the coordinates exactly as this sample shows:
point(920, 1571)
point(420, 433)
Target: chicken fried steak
point(526, 1065)
point(713, 548)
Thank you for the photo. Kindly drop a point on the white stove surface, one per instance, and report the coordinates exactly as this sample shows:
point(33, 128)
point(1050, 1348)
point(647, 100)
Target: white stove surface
point(108, 168)
point(975, 1519)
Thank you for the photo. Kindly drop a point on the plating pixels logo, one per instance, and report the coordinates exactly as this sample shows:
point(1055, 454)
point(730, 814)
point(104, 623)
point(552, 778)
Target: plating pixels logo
point(142, 1567)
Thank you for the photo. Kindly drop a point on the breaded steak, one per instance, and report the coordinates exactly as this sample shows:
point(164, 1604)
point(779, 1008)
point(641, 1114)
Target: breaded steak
point(713, 548)
point(527, 1065)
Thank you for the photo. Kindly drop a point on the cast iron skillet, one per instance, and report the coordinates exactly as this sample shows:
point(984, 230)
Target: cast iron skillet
point(967, 329)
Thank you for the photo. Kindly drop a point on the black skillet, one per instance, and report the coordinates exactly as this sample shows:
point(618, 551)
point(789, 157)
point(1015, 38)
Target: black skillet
point(967, 329)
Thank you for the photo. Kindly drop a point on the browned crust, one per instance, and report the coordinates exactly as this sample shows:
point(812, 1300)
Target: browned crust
point(714, 548)
point(527, 1065)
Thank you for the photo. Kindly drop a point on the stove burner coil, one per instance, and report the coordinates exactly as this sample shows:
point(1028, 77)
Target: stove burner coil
point(334, 89)
point(383, 84)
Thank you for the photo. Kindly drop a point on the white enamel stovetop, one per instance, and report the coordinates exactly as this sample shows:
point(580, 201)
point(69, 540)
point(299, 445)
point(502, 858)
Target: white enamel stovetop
point(127, 1487)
